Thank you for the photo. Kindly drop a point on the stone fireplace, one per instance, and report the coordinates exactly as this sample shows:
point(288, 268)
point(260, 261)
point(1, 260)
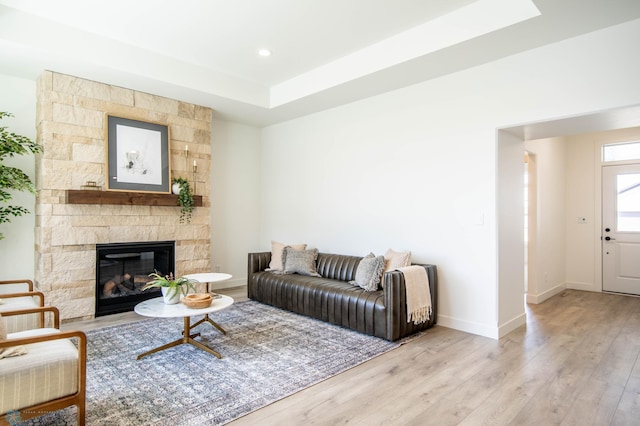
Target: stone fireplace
point(70, 119)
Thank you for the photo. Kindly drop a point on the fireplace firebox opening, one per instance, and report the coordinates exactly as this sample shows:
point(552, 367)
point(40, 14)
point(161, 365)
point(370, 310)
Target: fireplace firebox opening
point(122, 269)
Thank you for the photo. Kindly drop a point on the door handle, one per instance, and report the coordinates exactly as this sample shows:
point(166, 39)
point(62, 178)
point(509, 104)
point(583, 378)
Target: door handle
point(609, 238)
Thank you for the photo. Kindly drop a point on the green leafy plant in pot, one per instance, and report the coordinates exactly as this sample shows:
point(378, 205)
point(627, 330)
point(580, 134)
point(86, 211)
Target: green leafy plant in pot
point(185, 199)
point(171, 287)
point(12, 178)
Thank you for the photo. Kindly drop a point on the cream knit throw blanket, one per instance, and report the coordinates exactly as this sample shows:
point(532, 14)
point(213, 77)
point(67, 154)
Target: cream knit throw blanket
point(418, 295)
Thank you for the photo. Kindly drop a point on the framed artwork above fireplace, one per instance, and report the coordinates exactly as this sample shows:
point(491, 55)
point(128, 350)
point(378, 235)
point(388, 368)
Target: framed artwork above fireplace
point(137, 156)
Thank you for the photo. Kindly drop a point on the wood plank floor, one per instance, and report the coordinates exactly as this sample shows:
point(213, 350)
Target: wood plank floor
point(576, 362)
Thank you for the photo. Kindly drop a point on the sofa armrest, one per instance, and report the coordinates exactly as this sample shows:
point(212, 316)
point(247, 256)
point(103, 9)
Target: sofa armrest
point(394, 294)
point(258, 261)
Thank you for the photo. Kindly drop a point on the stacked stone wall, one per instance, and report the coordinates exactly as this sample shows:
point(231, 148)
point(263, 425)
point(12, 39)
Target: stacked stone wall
point(70, 121)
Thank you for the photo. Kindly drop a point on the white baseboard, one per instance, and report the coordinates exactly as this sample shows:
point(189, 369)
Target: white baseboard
point(539, 298)
point(583, 287)
point(468, 327)
point(238, 282)
point(482, 329)
point(511, 325)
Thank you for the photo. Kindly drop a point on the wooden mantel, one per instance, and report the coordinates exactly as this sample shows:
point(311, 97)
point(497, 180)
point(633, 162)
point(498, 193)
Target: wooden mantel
point(91, 196)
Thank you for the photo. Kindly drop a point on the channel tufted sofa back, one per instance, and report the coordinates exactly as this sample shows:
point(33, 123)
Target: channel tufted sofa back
point(337, 267)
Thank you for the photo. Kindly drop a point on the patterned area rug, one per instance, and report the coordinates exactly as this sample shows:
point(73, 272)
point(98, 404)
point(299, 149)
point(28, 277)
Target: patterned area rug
point(267, 355)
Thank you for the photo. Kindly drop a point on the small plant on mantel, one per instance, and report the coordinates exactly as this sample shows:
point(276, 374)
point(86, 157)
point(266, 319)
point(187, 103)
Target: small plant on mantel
point(13, 178)
point(185, 199)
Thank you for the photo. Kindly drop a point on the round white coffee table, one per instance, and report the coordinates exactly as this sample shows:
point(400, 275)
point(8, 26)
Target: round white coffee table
point(158, 309)
point(209, 277)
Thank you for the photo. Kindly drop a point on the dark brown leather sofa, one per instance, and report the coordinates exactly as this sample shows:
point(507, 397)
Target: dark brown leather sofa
point(331, 298)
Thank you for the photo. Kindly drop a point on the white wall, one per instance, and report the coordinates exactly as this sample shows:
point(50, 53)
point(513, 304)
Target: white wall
point(416, 168)
point(549, 268)
point(235, 194)
point(510, 233)
point(17, 248)
point(582, 191)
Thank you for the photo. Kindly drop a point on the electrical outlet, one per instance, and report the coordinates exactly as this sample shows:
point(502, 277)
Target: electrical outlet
point(217, 268)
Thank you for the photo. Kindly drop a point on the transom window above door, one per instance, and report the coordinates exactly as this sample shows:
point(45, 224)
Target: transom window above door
point(621, 151)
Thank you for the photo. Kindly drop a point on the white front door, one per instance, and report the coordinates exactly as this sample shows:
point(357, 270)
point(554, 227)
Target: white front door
point(621, 228)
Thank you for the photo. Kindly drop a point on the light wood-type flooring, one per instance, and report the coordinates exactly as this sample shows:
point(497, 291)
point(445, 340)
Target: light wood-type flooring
point(575, 363)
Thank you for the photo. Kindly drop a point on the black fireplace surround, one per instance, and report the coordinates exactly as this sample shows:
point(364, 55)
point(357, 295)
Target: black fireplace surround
point(122, 269)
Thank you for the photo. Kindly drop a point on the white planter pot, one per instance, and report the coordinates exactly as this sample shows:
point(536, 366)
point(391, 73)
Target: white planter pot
point(174, 295)
point(175, 188)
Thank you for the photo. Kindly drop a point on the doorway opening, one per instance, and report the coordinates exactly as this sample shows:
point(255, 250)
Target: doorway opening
point(510, 148)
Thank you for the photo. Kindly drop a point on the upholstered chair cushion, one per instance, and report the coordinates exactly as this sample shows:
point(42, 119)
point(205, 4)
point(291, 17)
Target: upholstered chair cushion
point(17, 323)
point(50, 367)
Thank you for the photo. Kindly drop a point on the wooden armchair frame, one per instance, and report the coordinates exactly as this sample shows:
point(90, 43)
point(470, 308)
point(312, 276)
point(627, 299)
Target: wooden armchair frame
point(12, 302)
point(79, 398)
point(20, 281)
point(29, 292)
point(37, 294)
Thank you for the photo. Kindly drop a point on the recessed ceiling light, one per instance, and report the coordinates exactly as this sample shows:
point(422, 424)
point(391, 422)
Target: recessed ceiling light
point(264, 52)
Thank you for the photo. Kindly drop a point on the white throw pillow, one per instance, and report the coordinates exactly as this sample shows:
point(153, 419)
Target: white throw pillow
point(277, 260)
point(396, 259)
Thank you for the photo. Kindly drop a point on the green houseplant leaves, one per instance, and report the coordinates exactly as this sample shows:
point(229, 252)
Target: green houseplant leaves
point(175, 285)
point(12, 178)
point(185, 199)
